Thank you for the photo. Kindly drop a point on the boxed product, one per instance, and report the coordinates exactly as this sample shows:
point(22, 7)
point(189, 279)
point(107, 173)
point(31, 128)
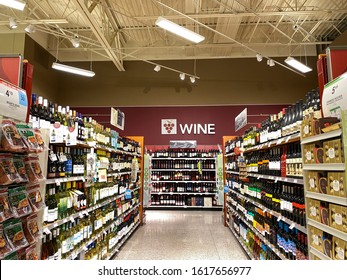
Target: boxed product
point(208, 201)
point(335, 216)
point(333, 152)
point(312, 181)
point(324, 213)
point(323, 184)
point(319, 155)
point(336, 184)
point(313, 209)
point(322, 123)
point(327, 244)
point(11, 140)
point(308, 154)
point(339, 249)
point(307, 128)
point(344, 218)
point(316, 238)
point(199, 201)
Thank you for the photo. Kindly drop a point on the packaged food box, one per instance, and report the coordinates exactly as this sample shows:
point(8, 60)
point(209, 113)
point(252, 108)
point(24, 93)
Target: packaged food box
point(336, 184)
point(324, 213)
point(335, 216)
point(327, 244)
point(339, 249)
point(313, 209)
point(312, 181)
point(316, 239)
point(308, 154)
point(333, 152)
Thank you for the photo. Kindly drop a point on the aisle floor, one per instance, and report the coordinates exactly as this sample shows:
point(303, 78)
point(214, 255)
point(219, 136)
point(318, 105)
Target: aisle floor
point(175, 235)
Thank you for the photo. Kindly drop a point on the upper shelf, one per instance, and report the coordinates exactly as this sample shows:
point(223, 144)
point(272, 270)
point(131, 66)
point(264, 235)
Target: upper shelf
point(179, 158)
point(298, 180)
point(327, 198)
point(323, 136)
point(281, 141)
point(325, 166)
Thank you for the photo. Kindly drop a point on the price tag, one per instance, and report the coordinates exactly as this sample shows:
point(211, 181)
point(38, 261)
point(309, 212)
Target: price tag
point(73, 255)
point(271, 177)
point(279, 141)
point(83, 179)
point(283, 219)
point(295, 181)
point(276, 179)
point(279, 218)
point(258, 177)
point(80, 214)
point(271, 212)
point(269, 144)
point(292, 226)
point(288, 138)
point(86, 213)
point(72, 219)
point(264, 210)
point(64, 221)
point(285, 179)
point(55, 225)
point(85, 248)
point(57, 182)
point(46, 230)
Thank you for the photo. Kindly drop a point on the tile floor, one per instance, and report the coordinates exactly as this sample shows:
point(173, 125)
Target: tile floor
point(176, 235)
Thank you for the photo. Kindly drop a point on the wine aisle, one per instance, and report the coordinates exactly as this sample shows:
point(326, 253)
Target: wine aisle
point(175, 235)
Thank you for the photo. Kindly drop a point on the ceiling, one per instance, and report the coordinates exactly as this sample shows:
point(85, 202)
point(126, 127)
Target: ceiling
point(122, 30)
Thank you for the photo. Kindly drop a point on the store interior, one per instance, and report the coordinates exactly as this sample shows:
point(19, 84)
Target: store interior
point(173, 150)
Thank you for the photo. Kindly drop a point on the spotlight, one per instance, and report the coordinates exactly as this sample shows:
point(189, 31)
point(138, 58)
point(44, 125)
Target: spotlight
point(13, 23)
point(182, 76)
point(270, 62)
point(157, 68)
point(192, 79)
point(30, 29)
point(75, 41)
point(259, 57)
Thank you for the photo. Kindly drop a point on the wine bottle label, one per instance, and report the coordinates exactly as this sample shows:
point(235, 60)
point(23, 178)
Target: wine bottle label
point(45, 214)
point(51, 215)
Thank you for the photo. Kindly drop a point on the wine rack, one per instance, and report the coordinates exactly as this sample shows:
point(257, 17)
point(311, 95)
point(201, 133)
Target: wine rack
point(325, 192)
point(185, 179)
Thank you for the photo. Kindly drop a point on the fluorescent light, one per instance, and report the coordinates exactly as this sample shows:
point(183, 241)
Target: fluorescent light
point(179, 30)
point(157, 68)
point(13, 23)
point(297, 65)
point(73, 70)
point(15, 4)
point(182, 76)
point(192, 79)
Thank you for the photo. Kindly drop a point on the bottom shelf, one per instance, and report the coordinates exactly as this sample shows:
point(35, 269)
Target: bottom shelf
point(243, 246)
point(121, 243)
point(318, 254)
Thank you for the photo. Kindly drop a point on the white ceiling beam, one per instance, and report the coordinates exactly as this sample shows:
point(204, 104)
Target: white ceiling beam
point(37, 21)
point(95, 27)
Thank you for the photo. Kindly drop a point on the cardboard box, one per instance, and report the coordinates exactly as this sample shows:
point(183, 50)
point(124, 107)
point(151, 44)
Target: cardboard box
point(344, 218)
point(316, 238)
point(307, 128)
point(336, 184)
point(324, 213)
point(335, 216)
point(313, 209)
point(327, 244)
point(208, 201)
point(339, 249)
point(333, 152)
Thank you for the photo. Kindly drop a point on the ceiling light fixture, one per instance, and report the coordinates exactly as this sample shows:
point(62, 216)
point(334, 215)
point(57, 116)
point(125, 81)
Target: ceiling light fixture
point(157, 68)
point(30, 29)
point(270, 62)
point(15, 4)
point(192, 79)
point(75, 41)
point(179, 30)
point(297, 64)
point(73, 70)
point(182, 76)
point(259, 57)
point(13, 23)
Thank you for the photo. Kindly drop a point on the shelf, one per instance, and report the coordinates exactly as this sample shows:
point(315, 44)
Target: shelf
point(161, 181)
point(319, 254)
point(327, 229)
point(240, 240)
point(272, 212)
point(323, 136)
point(119, 173)
point(63, 180)
point(83, 212)
point(170, 158)
point(298, 180)
point(258, 233)
point(229, 154)
point(183, 207)
point(328, 198)
point(192, 193)
point(180, 169)
point(325, 166)
point(281, 141)
point(233, 172)
point(124, 239)
point(83, 247)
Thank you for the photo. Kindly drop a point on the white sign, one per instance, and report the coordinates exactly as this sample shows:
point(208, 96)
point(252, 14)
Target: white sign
point(334, 98)
point(13, 101)
point(241, 120)
point(169, 126)
point(117, 118)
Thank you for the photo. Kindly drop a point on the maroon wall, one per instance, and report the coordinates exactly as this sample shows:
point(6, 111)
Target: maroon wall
point(146, 121)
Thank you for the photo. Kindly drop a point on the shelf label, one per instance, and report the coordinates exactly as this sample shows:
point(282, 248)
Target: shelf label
point(279, 141)
point(80, 214)
point(279, 218)
point(288, 138)
point(276, 179)
point(292, 226)
point(295, 180)
point(57, 182)
point(55, 225)
point(72, 219)
point(241, 120)
point(47, 231)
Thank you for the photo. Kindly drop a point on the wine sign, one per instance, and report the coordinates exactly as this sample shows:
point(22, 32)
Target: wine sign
point(13, 101)
point(117, 118)
point(334, 99)
point(241, 120)
point(169, 126)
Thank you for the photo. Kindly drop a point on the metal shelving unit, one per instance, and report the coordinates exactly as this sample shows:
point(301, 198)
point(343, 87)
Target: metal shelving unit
point(298, 180)
point(325, 167)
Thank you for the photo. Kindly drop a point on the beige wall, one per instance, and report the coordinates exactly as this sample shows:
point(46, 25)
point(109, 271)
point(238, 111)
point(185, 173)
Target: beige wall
point(228, 81)
point(45, 80)
point(12, 43)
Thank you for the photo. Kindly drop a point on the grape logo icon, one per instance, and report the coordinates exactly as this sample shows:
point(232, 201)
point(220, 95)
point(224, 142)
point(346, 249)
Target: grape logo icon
point(168, 126)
